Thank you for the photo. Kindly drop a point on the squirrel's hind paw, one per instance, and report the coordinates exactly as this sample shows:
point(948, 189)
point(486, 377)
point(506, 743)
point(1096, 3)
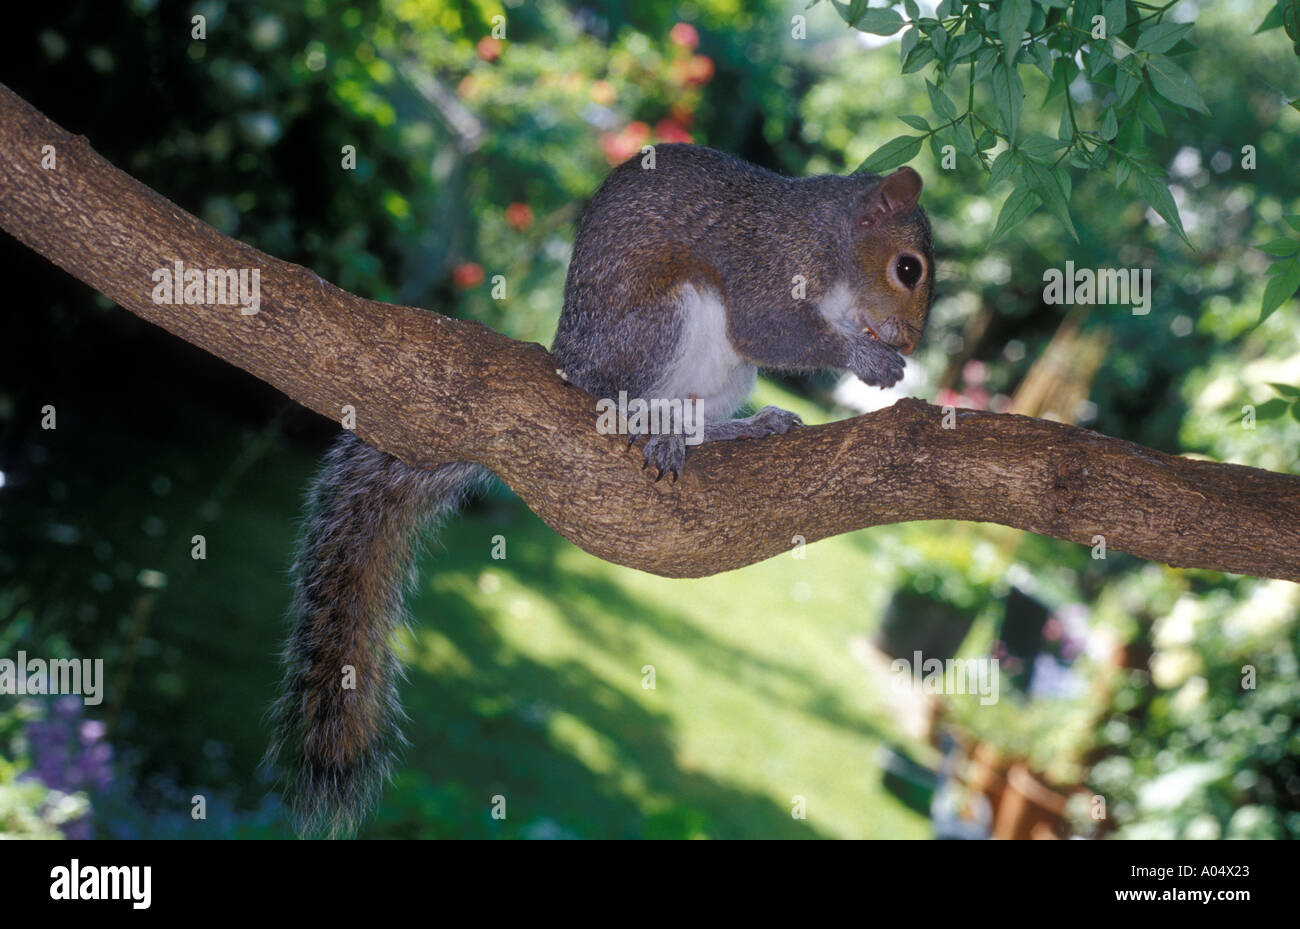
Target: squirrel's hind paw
point(667, 453)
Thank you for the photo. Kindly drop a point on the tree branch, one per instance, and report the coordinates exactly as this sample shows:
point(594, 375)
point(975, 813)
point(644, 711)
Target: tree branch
point(431, 389)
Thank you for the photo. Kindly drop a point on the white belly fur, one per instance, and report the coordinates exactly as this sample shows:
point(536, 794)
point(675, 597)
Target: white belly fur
point(707, 367)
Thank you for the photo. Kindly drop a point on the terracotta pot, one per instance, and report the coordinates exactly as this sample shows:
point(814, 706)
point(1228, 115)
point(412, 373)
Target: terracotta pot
point(986, 773)
point(1029, 808)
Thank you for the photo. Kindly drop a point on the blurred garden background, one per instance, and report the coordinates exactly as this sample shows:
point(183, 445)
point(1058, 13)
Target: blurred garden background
point(474, 156)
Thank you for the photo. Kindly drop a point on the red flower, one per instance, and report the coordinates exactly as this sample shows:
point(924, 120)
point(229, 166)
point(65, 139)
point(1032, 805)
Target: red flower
point(668, 131)
point(520, 216)
point(489, 48)
point(699, 70)
point(620, 146)
point(467, 274)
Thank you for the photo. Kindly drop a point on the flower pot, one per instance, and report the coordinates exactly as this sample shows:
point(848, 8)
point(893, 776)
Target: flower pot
point(916, 622)
point(1029, 808)
point(986, 772)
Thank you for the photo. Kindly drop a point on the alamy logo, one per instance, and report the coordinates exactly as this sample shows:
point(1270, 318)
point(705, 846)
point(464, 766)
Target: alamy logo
point(178, 285)
point(1104, 285)
point(953, 676)
point(36, 676)
point(651, 417)
point(78, 882)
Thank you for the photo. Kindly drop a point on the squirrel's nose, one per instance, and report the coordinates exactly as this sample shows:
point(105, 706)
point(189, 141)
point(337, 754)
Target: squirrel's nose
point(894, 332)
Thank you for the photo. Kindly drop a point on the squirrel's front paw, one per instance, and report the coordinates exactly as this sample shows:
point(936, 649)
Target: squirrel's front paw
point(876, 363)
point(776, 420)
point(666, 453)
point(770, 420)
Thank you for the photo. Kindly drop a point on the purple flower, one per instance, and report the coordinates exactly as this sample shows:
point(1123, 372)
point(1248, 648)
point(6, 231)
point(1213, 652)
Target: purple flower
point(70, 753)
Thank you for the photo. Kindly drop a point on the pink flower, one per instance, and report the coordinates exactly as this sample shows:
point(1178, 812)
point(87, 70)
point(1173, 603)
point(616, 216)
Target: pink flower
point(685, 35)
point(974, 373)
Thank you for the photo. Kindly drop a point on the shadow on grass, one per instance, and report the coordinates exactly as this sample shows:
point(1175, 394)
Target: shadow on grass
point(484, 728)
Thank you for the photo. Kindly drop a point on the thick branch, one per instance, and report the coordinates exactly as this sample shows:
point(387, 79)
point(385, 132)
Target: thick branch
point(430, 389)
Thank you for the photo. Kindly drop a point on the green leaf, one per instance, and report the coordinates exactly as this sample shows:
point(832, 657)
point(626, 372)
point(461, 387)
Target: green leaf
point(943, 105)
point(1295, 411)
point(966, 44)
point(1280, 288)
point(1123, 168)
point(913, 11)
point(1282, 247)
point(959, 138)
point(1293, 222)
point(1127, 82)
point(1003, 167)
point(1272, 21)
point(1040, 148)
point(984, 63)
point(1042, 57)
point(1153, 190)
point(1272, 409)
point(918, 57)
point(849, 12)
point(907, 43)
point(1020, 204)
point(1147, 112)
point(1174, 84)
point(1037, 18)
point(986, 141)
point(916, 122)
point(1009, 93)
point(1131, 136)
point(1109, 124)
point(1050, 188)
point(1161, 37)
point(1115, 12)
point(939, 39)
point(1289, 391)
point(1063, 179)
point(1096, 60)
point(893, 153)
point(1013, 19)
point(879, 21)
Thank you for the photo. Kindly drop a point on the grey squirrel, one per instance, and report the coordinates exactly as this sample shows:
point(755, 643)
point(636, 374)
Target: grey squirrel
point(685, 278)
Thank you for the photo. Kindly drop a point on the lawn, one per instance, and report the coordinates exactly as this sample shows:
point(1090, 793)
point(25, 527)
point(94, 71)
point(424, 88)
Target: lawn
point(525, 673)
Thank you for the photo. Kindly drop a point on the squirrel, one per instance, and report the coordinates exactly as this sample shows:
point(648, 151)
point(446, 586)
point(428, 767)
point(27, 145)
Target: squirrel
point(688, 273)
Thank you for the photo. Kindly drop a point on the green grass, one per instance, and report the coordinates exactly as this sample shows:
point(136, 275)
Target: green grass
point(525, 674)
point(527, 682)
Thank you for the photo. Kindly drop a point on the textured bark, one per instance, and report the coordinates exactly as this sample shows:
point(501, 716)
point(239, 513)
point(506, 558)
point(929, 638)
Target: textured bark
point(431, 389)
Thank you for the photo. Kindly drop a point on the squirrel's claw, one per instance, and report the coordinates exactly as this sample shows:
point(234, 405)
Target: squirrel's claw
point(667, 453)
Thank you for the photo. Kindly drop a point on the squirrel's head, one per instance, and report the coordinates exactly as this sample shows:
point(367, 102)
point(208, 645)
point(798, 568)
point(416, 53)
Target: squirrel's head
point(895, 255)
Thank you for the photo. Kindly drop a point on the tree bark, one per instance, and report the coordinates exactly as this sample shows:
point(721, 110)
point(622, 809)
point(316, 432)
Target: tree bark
point(430, 389)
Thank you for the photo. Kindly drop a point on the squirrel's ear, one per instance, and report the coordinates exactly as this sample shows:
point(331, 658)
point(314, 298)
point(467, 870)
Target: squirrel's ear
point(893, 196)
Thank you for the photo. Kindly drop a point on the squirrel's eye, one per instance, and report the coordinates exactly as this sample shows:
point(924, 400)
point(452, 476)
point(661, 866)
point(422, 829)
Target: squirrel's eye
point(908, 268)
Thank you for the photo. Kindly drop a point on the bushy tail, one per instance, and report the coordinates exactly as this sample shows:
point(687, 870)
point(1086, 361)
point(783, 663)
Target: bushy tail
point(337, 716)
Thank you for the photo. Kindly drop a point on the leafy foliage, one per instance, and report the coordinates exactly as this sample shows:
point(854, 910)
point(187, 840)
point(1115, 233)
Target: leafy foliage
point(1116, 55)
